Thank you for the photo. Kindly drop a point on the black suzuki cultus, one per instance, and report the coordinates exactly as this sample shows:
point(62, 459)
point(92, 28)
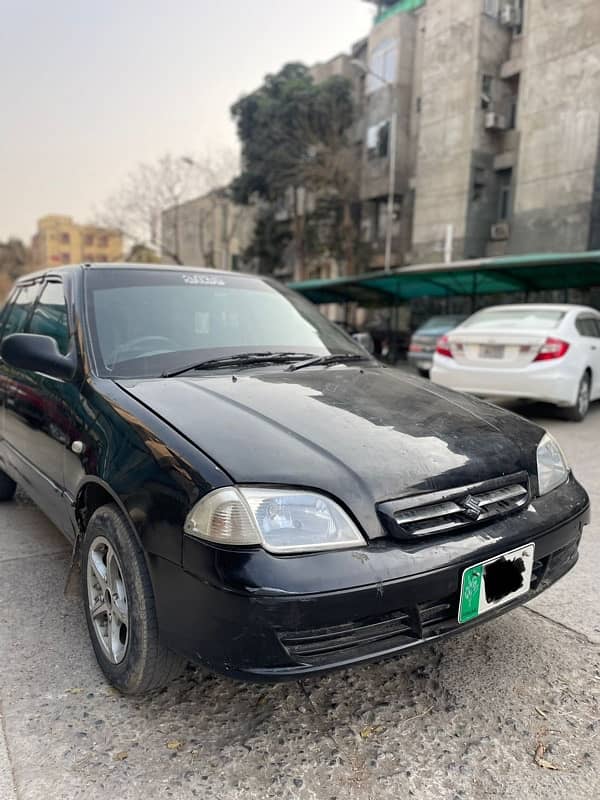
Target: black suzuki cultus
point(247, 488)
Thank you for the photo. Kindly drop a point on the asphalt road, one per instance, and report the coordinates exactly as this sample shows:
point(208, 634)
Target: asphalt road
point(459, 719)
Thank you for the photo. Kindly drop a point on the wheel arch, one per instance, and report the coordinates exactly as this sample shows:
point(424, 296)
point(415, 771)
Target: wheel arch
point(91, 495)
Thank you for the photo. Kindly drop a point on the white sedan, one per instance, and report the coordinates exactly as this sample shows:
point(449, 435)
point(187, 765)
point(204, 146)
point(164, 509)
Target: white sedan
point(549, 353)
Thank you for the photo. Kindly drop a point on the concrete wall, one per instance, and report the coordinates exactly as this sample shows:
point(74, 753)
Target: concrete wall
point(209, 231)
point(482, 207)
point(559, 123)
point(380, 105)
point(448, 109)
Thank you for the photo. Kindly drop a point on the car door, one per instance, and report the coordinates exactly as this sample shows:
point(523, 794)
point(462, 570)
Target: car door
point(14, 386)
point(595, 352)
point(4, 316)
point(39, 424)
point(588, 327)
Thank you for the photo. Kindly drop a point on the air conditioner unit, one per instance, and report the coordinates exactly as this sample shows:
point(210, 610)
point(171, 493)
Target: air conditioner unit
point(500, 232)
point(510, 15)
point(495, 121)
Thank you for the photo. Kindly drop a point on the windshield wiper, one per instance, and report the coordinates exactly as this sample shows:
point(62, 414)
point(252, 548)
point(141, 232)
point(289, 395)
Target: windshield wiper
point(239, 360)
point(327, 361)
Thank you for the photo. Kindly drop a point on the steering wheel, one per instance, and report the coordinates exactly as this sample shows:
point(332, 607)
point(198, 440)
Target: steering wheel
point(135, 344)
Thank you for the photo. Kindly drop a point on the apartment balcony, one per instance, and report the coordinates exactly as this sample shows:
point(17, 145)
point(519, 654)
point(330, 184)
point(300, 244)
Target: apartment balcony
point(513, 66)
point(377, 255)
point(509, 150)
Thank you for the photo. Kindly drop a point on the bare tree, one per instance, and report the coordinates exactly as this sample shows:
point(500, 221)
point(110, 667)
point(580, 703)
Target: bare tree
point(136, 207)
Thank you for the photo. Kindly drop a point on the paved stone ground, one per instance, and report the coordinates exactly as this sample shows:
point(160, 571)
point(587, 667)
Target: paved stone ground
point(460, 719)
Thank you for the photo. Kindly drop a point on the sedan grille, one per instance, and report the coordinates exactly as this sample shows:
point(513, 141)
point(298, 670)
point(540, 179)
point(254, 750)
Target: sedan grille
point(448, 512)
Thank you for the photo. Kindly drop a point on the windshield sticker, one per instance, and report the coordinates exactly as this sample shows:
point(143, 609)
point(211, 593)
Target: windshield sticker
point(203, 280)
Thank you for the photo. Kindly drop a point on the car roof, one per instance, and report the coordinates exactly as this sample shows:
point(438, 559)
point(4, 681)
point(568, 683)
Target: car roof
point(565, 307)
point(72, 268)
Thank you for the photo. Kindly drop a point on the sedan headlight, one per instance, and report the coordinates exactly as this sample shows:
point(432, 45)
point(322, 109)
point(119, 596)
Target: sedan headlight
point(281, 520)
point(552, 466)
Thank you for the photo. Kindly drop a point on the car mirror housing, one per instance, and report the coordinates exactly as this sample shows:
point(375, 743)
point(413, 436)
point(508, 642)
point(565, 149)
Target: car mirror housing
point(38, 354)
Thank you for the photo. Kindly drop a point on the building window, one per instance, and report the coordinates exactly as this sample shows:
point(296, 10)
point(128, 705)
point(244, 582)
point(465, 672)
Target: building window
point(381, 217)
point(478, 183)
point(378, 140)
point(103, 241)
point(383, 66)
point(65, 238)
point(521, 16)
point(504, 195)
point(487, 87)
point(65, 258)
point(513, 109)
point(491, 8)
point(89, 239)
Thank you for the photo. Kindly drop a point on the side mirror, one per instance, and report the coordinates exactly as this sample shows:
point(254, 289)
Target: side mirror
point(37, 354)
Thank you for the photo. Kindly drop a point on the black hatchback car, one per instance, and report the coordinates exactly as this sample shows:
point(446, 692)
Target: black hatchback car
point(247, 488)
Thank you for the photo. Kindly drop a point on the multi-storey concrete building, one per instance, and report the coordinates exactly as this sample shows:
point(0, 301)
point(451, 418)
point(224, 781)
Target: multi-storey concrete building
point(490, 110)
point(60, 240)
point(209, 231)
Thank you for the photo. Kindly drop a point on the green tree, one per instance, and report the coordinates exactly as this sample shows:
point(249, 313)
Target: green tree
point(14, 258)
point(295, 137)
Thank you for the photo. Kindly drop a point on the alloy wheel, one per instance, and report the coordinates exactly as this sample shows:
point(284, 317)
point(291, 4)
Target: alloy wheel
point(107, 599)
point(583, 399)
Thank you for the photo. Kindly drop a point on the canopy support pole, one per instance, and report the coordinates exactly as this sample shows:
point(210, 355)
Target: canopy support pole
point(395, 329)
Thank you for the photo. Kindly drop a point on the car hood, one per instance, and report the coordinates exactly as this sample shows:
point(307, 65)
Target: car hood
point(362, 435)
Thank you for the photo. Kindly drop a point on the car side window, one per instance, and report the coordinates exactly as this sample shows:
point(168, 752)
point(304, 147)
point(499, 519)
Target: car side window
point(49, 317)
point(7, 310)
point(19, 312)
point(587, 326)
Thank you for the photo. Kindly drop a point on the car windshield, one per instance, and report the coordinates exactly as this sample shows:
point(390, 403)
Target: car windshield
point(540, 319)
point(436, 324)
point(145, 322)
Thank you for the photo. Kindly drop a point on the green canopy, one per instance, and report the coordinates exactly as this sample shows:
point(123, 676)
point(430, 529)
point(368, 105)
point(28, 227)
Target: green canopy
point(528, 273)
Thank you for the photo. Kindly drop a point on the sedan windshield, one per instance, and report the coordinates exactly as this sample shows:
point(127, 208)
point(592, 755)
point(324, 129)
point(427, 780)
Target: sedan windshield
point(527, 318)
point(436, 324)
point(149, 322)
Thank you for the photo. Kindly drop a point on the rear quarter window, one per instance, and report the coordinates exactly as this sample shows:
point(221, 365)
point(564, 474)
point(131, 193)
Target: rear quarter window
point(588, 326)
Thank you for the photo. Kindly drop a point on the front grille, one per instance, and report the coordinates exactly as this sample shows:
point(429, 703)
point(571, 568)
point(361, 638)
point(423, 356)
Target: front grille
point(402, 628)
point(449, 511)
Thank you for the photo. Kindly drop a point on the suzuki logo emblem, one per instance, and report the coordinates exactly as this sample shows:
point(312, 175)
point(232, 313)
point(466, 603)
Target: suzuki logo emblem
point(472, 508)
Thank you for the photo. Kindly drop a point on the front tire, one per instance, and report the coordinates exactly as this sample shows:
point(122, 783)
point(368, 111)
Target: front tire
point(7, 487)
point(120, 608)
point(578, 412)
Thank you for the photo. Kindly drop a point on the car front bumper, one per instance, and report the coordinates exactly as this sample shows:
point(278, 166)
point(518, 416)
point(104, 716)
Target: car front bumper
point(254, 616)
point(422, 360)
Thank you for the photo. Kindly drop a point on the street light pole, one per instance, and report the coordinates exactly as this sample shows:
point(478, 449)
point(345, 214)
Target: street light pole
point(392, 190)
point(393, 145)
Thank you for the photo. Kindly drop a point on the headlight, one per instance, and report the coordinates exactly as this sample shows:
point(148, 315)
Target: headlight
point(552, 465)
point(281, 520)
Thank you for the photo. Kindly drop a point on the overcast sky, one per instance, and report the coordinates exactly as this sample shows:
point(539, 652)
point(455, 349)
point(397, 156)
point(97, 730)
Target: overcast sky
point(89, 88)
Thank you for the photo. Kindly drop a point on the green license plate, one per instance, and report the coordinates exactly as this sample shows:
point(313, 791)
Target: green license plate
point(495, 582)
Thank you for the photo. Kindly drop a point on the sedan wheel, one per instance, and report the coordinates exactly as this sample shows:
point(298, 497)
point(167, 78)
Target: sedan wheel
point(579, 411)
point(107, 599)
point(120, 608)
